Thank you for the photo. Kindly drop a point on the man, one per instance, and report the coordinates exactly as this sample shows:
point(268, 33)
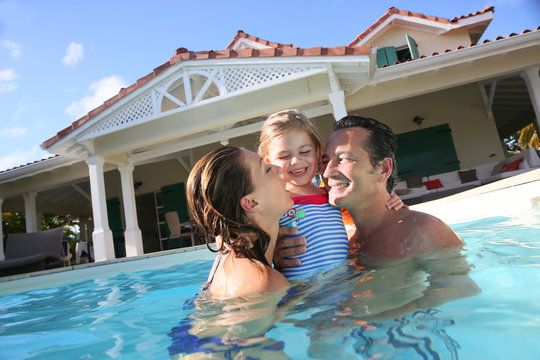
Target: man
point(359, 160)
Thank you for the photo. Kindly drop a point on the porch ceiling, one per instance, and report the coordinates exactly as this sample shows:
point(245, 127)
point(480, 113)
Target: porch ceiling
point(64, 199)
point(512, 107)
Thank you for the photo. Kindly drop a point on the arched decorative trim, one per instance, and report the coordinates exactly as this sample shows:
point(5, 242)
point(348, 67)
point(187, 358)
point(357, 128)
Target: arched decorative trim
point(203, 83)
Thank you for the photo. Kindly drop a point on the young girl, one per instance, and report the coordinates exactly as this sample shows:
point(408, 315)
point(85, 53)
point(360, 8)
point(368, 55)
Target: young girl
point(237, 197)
point(288, 139)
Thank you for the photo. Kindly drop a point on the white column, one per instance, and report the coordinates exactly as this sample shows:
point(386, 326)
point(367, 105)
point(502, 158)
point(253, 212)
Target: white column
point(533, 84)
point(102, 235)
point(337, 99)
point(30, 212)
point(2, 255)
point(132, 235)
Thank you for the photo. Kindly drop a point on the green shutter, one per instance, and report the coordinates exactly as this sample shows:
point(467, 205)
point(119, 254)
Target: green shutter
point(115, 224)
point(413, 47)
point(386, 56)
point(427, 151)
point(174, 199)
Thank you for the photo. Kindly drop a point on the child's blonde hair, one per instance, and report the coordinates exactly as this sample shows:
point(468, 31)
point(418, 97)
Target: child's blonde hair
point(281, 122)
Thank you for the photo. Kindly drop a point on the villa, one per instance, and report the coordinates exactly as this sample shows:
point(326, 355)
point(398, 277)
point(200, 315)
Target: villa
point(451, 100)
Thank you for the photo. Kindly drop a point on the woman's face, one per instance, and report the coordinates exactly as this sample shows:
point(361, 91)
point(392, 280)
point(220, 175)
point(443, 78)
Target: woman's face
point(268, 185)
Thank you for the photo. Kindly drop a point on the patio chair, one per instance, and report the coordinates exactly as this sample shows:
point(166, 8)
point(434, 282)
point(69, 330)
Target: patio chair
point(179, 230)
point(33, 252)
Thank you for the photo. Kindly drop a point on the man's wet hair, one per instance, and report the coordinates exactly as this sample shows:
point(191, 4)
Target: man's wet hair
point(381, 142)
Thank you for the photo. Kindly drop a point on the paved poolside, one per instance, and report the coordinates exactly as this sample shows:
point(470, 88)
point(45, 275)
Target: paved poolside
point(505, 197)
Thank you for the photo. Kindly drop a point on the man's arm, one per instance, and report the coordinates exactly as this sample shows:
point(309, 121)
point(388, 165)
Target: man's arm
point(287, 247)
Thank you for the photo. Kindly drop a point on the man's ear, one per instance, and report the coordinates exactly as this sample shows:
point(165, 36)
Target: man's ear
point(387, 167)
point(249, 204)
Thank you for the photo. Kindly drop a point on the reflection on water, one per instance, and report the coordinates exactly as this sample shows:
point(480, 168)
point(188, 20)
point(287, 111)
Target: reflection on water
point(228, 329)
point(356, 309)
point(428, 307)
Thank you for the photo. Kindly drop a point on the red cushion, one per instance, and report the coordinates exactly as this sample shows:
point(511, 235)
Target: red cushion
point(513, 165)
point(433, 184)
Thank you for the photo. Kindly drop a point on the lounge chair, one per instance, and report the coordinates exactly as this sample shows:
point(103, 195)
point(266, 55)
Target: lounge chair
point(33, 252)
point(179, 230)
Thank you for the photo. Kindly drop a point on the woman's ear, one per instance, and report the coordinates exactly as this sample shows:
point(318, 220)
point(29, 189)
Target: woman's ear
point(249, 204)
point(266, 159)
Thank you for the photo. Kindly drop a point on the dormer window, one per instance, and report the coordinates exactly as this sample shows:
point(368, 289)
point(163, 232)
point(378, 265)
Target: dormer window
point(389, 55)
point(403, 53)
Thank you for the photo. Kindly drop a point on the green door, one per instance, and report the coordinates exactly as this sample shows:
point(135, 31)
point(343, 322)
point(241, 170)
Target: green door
point(427, 152)
point(174, 199)
point(115, 223)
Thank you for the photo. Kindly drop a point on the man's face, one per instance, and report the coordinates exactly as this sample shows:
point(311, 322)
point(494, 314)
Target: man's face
point(348, 171)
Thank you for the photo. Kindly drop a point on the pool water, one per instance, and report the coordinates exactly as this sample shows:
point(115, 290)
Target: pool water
point(481, 302)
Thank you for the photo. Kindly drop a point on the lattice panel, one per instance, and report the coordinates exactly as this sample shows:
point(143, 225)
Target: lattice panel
point(232, 79)
point(241, 78)
point(137, 111)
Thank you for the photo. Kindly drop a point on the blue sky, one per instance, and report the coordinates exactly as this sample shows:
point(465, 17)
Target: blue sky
point(61, 58)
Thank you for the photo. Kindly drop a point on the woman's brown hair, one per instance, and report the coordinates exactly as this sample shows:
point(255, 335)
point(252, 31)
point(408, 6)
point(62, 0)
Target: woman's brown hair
point(214, 189)
point(281, 122)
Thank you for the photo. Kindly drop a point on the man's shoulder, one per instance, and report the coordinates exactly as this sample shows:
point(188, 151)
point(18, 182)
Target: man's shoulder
point(425, 232)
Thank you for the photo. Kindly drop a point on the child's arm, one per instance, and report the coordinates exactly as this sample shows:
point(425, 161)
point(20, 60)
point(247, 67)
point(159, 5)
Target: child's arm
point(395, 202)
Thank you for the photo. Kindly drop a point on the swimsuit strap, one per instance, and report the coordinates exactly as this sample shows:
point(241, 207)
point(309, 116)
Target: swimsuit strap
point(207, 285)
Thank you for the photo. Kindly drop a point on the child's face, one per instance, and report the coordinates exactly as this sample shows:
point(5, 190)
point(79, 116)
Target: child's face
point(296, 154)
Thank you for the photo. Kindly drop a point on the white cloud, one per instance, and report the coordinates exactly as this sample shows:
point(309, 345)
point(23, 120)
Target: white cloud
point(13, 48)
point(101, 90)
point(7, 80)
point(21, 109)
point(19, 158)
point(14, 131)
point(74, 54)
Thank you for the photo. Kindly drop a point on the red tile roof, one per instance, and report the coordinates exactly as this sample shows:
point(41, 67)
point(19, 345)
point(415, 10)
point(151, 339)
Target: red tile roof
point(182, 54)
point(392, 11)
point(242, 35)
point(28, 164)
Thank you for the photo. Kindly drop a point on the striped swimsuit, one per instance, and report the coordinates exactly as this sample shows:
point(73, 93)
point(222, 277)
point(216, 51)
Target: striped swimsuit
point(322, 225)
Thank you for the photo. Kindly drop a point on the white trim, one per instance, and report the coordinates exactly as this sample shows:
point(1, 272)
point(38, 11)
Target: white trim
point(251, 44)
point(337, 99)
point(42, 166)
point(488, 99)
point(427, 25)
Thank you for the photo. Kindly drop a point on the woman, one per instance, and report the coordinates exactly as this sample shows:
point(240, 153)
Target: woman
point(237, 197)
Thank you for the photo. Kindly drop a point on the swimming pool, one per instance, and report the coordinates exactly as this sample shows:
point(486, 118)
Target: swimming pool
point(478, 303)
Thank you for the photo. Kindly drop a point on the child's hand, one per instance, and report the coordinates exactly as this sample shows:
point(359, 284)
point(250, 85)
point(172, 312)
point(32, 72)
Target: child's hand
point(286, 247)
point(395, 202)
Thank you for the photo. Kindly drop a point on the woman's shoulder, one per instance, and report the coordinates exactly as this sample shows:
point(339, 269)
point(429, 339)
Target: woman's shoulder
point(242, 277)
